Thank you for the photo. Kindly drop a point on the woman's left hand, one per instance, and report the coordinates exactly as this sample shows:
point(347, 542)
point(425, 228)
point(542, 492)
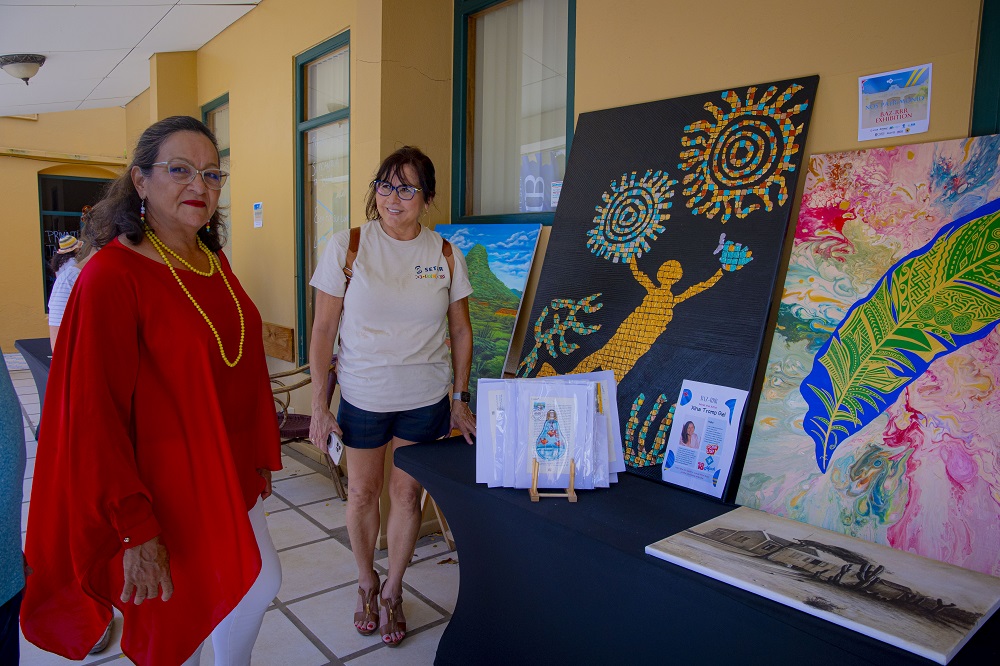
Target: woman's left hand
point(266, 473)
point(463, 420)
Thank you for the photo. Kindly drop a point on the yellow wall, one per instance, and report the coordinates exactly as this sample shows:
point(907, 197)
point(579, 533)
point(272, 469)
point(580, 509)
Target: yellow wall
point(57, 144)
point(633, 51)
point(137, 118)
point(416, 88)
point(254, 61)
point(400, 94)
point(173, 85)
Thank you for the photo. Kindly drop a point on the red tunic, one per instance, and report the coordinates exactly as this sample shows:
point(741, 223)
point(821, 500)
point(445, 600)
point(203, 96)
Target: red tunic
point(147, 431)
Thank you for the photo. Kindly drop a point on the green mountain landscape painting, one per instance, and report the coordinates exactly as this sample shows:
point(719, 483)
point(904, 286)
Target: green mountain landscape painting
point(499, 258)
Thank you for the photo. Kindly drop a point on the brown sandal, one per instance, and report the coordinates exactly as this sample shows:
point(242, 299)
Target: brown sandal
point(368, 615)
point(393, 625)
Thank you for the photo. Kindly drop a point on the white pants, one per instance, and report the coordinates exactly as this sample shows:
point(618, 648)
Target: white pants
point(234, 637)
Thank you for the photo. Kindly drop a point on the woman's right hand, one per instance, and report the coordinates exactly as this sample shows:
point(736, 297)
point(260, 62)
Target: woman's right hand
point(321, 425)
point(147, 569)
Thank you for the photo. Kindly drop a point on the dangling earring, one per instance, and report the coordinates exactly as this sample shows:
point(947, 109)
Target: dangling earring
point(142, 212)
point(208, 227)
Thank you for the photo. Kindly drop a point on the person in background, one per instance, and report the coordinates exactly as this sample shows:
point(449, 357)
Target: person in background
point(160, 435)
point(12, 567)
point(65, 267)
point(394, 369)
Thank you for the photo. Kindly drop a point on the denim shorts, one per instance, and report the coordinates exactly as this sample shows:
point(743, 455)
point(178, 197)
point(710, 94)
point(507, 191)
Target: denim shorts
point(370, 430)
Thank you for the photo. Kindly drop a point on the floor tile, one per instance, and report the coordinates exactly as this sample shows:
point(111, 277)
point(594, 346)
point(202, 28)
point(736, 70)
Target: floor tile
point(28, 399)
point(31, 448)
point(437, 579)
point(32, 655)
point(29, 468)
point(330, 617)
point(279, 642)
point(418, 649)
point(24, 516)
point(430, 546)
point(330, 514)
point(291, 467)
point(315, 567)
point(274, 504)
point(26, 486)
point(290, 528)
point(305, 489)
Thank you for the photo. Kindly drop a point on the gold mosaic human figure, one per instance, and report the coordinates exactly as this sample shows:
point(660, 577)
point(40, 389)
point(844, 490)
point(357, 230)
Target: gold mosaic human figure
point(644, 325)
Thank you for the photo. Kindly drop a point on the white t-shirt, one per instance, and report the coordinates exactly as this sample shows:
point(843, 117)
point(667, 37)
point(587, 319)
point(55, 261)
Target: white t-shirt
point(393, 355)
point(61, 289)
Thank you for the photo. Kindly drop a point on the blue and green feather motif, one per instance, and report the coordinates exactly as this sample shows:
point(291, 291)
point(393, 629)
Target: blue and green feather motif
point(932, 302)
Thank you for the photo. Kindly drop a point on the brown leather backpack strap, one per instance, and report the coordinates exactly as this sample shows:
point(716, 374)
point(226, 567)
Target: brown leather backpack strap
point(352, 252)
point(447, 252)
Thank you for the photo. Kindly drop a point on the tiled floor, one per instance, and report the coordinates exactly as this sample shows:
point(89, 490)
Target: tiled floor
point(309, 622)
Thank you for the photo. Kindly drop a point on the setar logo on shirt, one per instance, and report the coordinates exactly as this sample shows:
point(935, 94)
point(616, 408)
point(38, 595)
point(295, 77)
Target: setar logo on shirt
point(429, 273)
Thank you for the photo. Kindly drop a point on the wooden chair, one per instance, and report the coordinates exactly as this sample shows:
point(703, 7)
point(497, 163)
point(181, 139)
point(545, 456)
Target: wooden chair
point(295, 427)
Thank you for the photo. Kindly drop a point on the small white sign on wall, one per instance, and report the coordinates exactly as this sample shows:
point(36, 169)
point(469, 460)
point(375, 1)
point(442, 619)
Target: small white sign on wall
point(258, 215)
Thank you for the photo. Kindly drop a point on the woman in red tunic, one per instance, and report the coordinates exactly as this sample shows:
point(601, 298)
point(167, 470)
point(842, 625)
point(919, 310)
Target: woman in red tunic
point(159, 431)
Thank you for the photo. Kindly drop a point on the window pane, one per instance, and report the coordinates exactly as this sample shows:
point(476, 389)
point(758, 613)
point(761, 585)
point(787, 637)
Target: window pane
point(328, 84)
point(69, 195)
point(327, 192)
point(218, 122)
point(519, 65)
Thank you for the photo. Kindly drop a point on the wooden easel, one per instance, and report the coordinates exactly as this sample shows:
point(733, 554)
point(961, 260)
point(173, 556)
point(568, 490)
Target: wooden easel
point(570, 491)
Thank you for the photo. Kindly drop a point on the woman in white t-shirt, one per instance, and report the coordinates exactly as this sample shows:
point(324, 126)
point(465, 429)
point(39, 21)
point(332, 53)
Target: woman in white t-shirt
point(394, 367)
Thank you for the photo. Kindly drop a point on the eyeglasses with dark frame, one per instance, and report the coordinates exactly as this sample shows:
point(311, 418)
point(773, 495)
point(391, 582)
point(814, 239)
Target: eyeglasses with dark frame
point(405, 192)
point(183, 172)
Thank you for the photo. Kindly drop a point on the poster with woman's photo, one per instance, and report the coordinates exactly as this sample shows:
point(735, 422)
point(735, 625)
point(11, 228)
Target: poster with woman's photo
point(703, 437)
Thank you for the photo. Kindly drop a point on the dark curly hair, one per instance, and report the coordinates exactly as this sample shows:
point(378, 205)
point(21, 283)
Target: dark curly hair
point(393, 166)
point(118, 211)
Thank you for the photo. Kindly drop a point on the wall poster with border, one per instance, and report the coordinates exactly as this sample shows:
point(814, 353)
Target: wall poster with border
point(665, 248)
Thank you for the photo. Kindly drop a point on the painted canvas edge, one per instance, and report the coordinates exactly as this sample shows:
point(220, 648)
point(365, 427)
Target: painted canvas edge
point(656, 549)
point(520, 303)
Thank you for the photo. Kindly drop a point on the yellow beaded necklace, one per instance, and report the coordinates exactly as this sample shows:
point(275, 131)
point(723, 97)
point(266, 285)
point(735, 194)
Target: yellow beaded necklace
point(213, 265)
point(161, 247)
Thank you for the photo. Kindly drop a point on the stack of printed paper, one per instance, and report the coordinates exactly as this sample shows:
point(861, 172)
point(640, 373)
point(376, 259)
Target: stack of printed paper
point(553, 421)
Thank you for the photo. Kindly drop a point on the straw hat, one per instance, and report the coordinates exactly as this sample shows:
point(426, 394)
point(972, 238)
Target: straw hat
point(69, 244)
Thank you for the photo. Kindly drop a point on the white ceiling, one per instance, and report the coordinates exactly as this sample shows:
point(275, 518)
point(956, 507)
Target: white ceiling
point(97, 51)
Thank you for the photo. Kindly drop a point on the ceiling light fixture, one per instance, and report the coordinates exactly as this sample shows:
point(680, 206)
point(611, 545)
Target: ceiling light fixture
point(21, 65)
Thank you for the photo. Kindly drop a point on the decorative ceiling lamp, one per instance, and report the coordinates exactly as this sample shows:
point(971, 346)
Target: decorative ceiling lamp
point(22, 65)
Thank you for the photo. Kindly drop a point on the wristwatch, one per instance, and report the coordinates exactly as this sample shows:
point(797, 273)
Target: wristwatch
point(464, 396)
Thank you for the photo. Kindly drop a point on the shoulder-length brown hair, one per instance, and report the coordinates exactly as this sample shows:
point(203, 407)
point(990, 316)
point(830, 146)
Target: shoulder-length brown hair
point(118, 212)
point(393, 166)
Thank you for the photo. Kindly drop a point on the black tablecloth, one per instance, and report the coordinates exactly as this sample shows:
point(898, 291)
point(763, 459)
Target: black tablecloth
point(37, 353)
point(557, 582)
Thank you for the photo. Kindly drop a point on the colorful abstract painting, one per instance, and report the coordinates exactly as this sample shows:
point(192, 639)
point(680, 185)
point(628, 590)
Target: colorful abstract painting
point(880, 411)
point(499, 258)
point(665, 249)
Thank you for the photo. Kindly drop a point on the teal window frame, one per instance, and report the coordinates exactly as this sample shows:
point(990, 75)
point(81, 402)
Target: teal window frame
point(460, 129)
point(986, 100)
point(222, 100)
point(42, 213)
point(302, 127)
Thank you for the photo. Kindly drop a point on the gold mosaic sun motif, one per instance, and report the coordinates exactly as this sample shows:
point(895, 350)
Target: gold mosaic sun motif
point(742, 154)
point(632, 215)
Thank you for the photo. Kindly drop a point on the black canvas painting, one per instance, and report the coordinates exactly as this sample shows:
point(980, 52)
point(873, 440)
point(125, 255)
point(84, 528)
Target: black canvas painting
point(665, 248)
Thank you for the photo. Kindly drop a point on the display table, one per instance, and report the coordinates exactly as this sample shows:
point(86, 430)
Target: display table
point(37, 353)
point(569, 583)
